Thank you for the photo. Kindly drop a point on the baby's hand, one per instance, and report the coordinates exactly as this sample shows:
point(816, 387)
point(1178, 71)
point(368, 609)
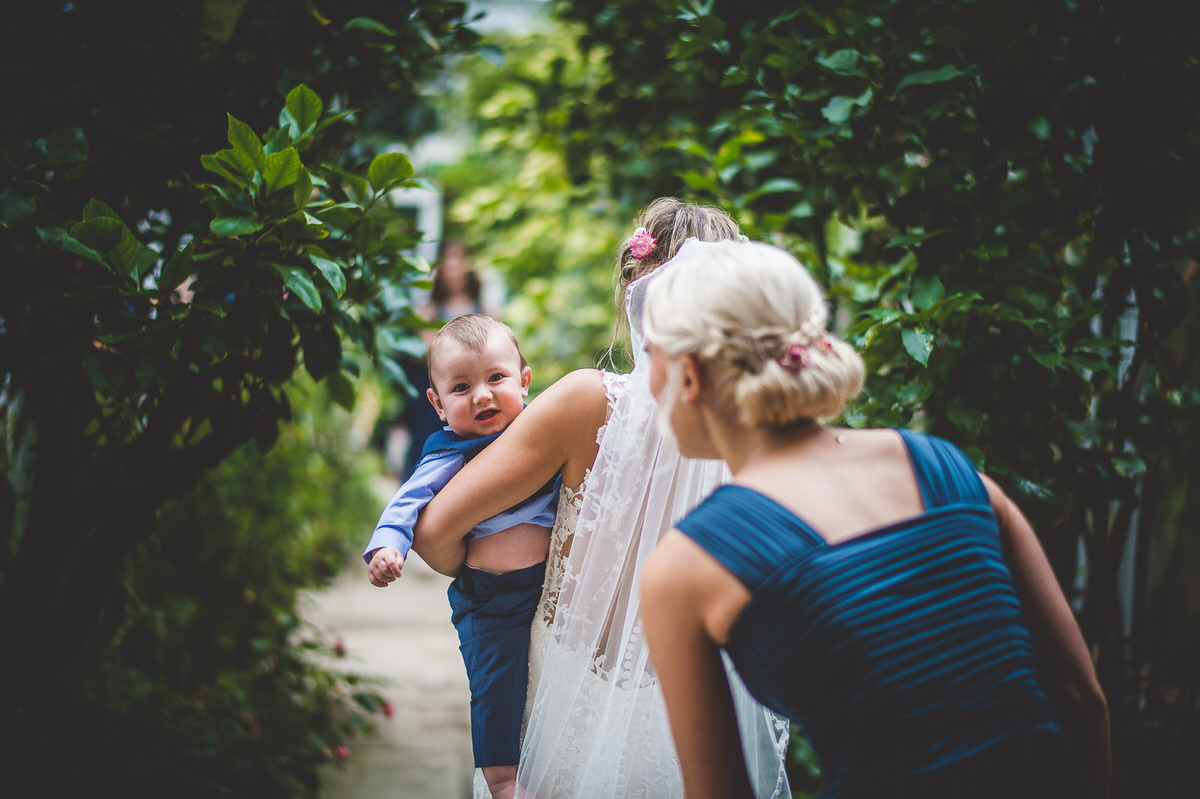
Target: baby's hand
point(385, 566)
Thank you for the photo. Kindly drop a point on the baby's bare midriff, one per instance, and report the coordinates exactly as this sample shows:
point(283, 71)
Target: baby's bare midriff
point(517, 547)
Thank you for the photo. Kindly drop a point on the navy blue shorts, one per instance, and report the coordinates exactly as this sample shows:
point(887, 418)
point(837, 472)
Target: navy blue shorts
point(493, 613)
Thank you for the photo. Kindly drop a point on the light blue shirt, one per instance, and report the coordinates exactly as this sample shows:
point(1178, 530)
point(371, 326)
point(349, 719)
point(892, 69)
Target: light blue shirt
point(432, 473)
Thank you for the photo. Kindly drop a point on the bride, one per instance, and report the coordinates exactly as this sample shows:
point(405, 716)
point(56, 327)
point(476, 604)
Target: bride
point(596, 724)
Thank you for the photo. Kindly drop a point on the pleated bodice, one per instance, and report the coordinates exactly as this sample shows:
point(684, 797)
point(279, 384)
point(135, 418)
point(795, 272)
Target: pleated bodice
point(902, 653)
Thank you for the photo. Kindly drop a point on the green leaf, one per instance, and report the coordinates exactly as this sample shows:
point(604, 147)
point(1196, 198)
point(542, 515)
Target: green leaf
point(341, 390)
point(300, 284)
point(359, 189)
point(918, 342)
point(96, 210)
point(219, 167)
point(1047, 358)
point(885, 315)
point(915, 238)
point(112, 238)
point(843, 62)
point(926, 291)
point(226, 227)
point(332, 271)
point(331, 119)
point(774, 186)
point(238, 161)
point(392, 340)
point(365, 23)
point(967, 418)
point(1090, 361)
point(839, 108)
point(305, 108)
point(177, 269)
point(244, 140)
point(14, 207)
point(281, 169)
point(421, 183)
point(1129, 465)
point(491, 53)
point(1034, 491)
point(948, 72)
point(64, 146)
point(302, 193)
point(106, 376)
point(341, 215)
point(57, 237)
point(388, 169)
point(146, 259)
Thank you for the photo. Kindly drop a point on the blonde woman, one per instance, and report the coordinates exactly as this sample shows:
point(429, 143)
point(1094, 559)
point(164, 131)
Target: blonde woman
point(868, 584)
point(596, 724)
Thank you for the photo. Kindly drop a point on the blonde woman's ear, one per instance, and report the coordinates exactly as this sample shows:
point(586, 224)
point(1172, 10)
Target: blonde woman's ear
point(690, 388)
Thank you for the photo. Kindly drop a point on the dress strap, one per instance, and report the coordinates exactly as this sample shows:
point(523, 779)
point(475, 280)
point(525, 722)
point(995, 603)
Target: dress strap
point(944, 474)
point(741, 528)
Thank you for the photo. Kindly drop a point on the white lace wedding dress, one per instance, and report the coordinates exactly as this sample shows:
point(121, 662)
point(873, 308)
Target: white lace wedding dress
point(596, 724)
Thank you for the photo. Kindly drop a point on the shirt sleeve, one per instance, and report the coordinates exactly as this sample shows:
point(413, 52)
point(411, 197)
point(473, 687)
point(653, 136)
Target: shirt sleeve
point(396, 523)
point(540, 509)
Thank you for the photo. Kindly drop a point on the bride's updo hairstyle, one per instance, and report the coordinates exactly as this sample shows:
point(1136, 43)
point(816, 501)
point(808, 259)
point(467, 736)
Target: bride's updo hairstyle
point(662, 227)
point(754, 319)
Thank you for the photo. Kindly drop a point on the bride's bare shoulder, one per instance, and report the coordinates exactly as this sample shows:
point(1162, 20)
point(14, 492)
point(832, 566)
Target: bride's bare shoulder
point(577, 392)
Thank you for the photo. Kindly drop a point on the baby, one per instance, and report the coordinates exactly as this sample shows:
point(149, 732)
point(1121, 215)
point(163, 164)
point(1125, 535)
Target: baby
point(479, 381)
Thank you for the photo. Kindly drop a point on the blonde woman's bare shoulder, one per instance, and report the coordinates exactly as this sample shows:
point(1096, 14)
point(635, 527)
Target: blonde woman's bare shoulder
point(872, 442)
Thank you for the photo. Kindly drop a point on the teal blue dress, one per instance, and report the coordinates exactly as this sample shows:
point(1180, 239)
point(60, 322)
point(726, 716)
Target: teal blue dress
point(902, 653)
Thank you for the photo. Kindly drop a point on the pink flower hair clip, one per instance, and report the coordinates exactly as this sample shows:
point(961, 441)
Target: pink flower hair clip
point(642, 243)
point(795, 358)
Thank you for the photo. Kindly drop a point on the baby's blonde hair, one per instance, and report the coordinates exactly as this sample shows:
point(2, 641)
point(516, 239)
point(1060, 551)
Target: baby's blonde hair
point(754, 318)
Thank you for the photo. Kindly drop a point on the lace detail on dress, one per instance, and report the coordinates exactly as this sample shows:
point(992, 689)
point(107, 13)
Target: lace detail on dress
point(569, 502)
point(614, 387)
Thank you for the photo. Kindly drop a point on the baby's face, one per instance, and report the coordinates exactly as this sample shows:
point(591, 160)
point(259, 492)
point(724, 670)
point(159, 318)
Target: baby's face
point(479, 393)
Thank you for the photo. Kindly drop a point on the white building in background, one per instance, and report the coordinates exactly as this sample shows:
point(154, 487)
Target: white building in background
point(444, 147)
point(510, 15)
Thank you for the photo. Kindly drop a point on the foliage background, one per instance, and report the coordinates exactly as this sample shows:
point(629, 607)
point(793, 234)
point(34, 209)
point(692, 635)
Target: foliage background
point(1000, 201)
point(194, 207)
point(999, 198)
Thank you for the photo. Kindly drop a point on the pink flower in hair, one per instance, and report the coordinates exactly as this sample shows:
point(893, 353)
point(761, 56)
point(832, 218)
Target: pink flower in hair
point(642, 243)
point(795, 358)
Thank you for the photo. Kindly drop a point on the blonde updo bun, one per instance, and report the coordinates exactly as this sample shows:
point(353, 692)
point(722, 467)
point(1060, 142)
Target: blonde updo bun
point(754, 318)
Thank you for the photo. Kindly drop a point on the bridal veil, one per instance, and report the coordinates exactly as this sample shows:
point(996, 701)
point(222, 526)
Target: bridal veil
point(597, 723)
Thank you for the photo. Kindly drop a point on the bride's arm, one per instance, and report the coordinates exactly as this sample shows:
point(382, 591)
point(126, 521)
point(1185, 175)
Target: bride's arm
point(556, 433)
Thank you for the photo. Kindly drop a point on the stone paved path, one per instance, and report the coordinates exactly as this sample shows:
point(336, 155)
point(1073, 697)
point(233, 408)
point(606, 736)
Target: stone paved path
point(403, 635)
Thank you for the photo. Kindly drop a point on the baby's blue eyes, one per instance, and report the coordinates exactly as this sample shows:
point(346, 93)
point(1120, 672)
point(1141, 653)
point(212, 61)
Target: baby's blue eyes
point(461, 387)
